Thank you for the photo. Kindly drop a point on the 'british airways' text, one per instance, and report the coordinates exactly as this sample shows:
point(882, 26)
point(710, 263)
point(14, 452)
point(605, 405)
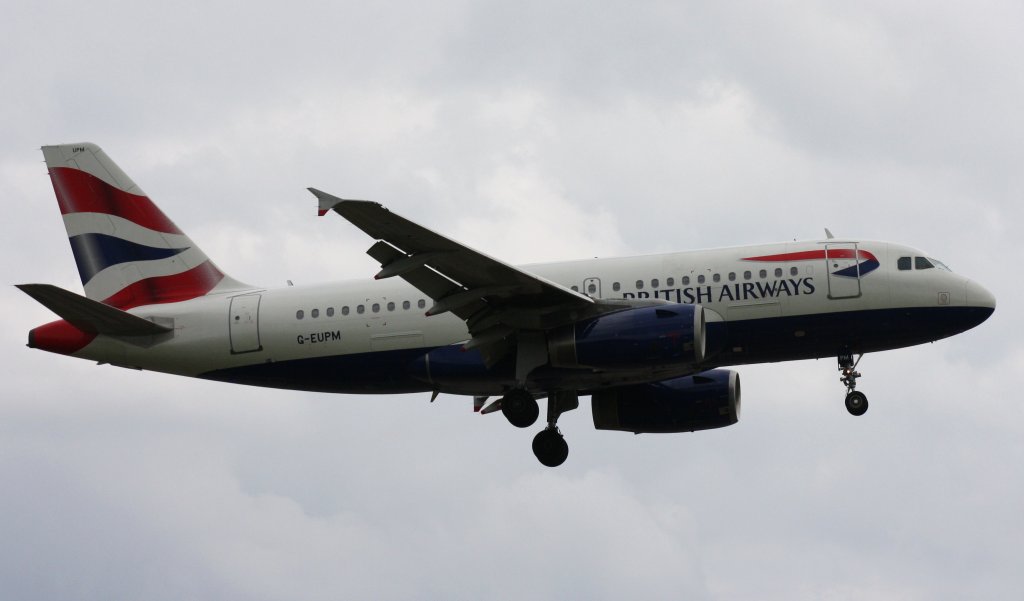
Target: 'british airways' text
point(730, 292)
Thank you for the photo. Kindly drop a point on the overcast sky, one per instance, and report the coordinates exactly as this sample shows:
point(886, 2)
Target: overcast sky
point(533, 131)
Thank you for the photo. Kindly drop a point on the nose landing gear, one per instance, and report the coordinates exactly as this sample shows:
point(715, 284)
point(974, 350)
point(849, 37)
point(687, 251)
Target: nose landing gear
point(856, 402)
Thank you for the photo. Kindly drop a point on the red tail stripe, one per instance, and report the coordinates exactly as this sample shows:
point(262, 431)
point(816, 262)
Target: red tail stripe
point(191, 284)
point(81, 192)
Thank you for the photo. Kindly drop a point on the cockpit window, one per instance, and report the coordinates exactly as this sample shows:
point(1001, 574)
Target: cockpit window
point(903, 263)
point(922, 263)
point(939, 264)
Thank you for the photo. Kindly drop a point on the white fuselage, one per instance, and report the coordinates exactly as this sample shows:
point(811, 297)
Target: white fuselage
point(771, 310)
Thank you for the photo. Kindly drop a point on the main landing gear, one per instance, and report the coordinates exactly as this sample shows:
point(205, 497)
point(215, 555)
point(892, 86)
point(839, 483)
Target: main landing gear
point(856, 402)
point(521, 410)
point(549, 445)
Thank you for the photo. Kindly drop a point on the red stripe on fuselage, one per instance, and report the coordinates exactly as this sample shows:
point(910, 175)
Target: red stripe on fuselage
point(81, 192)
point(175, 288)
point(808, 255)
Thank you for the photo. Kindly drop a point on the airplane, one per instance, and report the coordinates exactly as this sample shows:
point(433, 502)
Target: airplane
point(646, 337)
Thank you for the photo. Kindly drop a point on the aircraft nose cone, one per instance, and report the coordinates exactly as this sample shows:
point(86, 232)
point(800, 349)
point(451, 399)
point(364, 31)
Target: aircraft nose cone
point(979, 296)
point(980, 304)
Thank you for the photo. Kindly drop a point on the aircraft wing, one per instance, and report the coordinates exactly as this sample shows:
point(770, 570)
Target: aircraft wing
point(494, 298)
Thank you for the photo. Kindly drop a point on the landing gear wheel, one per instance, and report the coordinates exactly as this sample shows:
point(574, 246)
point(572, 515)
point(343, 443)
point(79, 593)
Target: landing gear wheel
point(550, 447)
point(520, 408)
point(856, 403)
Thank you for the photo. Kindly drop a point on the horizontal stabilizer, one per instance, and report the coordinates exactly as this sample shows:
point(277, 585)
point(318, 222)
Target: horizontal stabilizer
point(91, 316)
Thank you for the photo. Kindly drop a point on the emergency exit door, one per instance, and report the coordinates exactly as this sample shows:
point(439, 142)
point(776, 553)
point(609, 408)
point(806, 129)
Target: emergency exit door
point(843, 268)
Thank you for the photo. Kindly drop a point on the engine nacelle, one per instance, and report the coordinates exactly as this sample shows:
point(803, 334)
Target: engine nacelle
point(642, 337)
point(703, 401)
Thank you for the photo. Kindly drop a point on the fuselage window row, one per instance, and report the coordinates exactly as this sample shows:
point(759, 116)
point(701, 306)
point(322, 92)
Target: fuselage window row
point(717, 277)
point(685, 280)
point(360, 309)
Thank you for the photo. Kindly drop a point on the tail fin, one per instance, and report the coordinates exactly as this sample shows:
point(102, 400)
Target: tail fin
point(128, 252)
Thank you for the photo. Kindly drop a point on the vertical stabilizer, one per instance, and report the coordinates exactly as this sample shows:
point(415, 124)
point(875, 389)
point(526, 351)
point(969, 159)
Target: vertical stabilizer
point(128, 252)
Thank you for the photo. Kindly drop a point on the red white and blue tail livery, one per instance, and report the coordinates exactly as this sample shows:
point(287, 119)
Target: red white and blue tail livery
point(128, 252)
point(646, 337)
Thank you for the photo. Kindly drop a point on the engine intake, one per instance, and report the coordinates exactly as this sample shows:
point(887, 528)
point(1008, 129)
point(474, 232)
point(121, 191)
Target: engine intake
point(702, 401)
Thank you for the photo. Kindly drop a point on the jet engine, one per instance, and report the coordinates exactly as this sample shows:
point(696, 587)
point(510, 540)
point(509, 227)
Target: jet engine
point(703, 401)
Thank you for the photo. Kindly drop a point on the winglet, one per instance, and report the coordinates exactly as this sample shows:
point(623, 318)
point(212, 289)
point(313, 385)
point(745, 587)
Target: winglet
point(327, 201)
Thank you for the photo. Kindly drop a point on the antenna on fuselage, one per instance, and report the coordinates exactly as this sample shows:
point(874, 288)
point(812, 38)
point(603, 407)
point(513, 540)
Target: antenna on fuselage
point(828, 234)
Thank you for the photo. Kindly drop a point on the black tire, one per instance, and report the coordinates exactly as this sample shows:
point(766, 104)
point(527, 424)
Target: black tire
point(857, 403)
point(550, 447)
point(520, 408)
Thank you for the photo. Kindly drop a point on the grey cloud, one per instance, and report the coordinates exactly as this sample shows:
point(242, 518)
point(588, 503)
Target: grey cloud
point(644, 128)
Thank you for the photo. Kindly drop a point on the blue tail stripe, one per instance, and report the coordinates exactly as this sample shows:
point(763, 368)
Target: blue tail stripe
point(865, 268)
point(96, 252)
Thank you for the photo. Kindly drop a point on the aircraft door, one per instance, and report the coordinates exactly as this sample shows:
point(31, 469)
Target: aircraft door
point(244, 324)
point(592, 287)
point(843, 270)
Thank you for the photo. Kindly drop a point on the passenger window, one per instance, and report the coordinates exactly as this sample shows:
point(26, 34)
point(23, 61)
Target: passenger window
point(778, 272)
point(716, 278)
point(732, 276)
point(700, 279)
point(903, 264)
point(375, 308)
point(922, 263)
point(406, 305)
point(360, 309)
point(793, 271)
point(391, 306)
point(314, 313)
point(421, 303)
point(762, 274)
point(575, 288)
point(639, 284)
point(300, 314)
point(344, 310)
point(330, 311)
point(654, 283)
point(686, 280)
point(746, 275)
point(591, 289)
point(670, 282)
point(616, 286)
